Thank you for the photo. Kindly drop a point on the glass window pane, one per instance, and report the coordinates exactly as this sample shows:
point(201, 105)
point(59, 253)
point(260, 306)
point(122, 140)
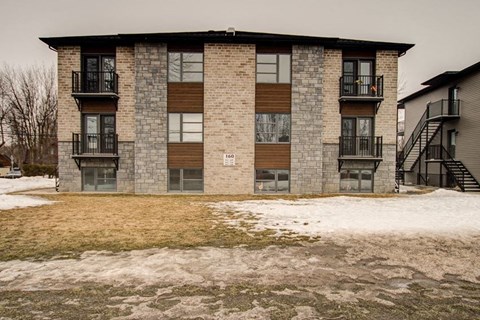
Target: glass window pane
point(174, 127)
point(193, 57)
point(173, 67)
point(192, 173)
point(348, 67)
point(266, 186)
point(349, 180)
point(265, 175)
point(107, 173)
point(283, 128)
point(192, 185)
point(174, 180)
point(266, 78)
point(267, 68)
point(366, 182)
point(88, 179)
point(283, 180)
point(266, 58)
point(284, 68)
point(192, 117)
point(193, 67)
point(192, 127)
point(192, 137)
point(193, 77)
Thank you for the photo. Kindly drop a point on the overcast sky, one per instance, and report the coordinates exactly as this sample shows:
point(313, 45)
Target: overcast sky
point(446, 33)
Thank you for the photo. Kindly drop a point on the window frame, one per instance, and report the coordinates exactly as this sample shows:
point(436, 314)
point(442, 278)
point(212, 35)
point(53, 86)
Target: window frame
point(277, 130)
point(181, 131)
point(181, 71)
point(182, 190)
point(95, 178)
point(276, 181)
point(277, 67)
point(359, 181)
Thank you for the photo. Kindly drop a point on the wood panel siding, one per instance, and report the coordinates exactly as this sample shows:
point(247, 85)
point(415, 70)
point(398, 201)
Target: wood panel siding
point(272, 156)
point(185, 155)
point(99, 50)
point(98, 106)
point(273, 97)
point(185, 97)
point(262, 48)
point(359, 54)
point(182, 47)
point(358, 109)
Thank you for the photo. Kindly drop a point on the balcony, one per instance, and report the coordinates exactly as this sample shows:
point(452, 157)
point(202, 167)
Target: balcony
point(360, 148)
point(95, 85)
point(94, 146)
point(361, 88)
point(444, 109)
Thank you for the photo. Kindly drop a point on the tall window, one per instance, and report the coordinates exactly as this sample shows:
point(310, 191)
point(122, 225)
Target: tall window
point(271, 180)
point(99, 73)
point(185, 67)
point(358, 78)
point(355, 180)
point(99, 179)
point(357, 136)
point(185, 180)
point(98, 133)
point(273, 68)
point(272, 127)
point(185, 127)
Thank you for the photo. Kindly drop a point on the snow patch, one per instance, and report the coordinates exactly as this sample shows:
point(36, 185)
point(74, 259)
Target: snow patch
point(22, 184)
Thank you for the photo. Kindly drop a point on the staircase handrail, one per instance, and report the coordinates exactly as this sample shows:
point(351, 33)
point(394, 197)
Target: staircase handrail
point(444, 150)
point(413, 137)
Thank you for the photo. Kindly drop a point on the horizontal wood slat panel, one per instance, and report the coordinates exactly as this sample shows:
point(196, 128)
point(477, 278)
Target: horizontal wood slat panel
point(273, 97)
point(272, 156)
point(185, 97)
point(358, 109)
point(261, 48)
point(98, 106)
point(185, 155)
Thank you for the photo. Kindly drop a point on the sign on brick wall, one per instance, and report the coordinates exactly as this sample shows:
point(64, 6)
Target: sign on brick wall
point(229, 159)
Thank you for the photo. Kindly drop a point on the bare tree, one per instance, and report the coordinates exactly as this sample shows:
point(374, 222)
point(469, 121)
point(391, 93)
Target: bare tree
point(30, 100)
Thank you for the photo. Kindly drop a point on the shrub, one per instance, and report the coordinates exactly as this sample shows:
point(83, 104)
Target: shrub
point(31, 170)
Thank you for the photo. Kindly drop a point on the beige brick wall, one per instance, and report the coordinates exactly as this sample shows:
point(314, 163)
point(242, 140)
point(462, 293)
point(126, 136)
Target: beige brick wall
point(386, 119)
point(229, 117)
point(125, 66)
point(68, 115)
point(331, 88)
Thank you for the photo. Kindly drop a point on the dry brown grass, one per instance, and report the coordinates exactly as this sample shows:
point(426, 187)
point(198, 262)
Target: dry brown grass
point(82, 222)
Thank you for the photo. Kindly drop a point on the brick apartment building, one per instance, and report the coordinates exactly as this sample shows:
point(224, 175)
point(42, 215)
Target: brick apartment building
point(225, 112)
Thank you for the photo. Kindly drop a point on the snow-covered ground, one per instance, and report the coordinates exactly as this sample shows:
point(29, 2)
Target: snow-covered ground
point(439, 212)
point(22, 184)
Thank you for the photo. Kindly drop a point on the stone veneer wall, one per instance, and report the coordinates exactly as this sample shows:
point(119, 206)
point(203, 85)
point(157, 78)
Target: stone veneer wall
point(331, 119)
point(68, 118)
point(229, 117)
point(307, 123)
point(386, 119)
point(151, 118)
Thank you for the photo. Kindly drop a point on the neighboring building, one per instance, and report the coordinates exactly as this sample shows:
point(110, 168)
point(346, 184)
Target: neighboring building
point(442, 131)
point(225, 112)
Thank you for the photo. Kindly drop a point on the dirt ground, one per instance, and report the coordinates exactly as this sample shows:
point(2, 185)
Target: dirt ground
point(252, 277)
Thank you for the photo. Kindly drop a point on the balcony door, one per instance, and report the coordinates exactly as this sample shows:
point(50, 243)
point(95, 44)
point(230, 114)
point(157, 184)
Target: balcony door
point(99, 73)
point(357, 136)
point(358, 77)
point(99, 133)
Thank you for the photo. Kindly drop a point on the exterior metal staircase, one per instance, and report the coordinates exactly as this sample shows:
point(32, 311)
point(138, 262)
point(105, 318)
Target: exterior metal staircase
point(464, 179)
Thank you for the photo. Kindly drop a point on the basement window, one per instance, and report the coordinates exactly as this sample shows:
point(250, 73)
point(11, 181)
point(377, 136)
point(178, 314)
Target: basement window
point(99, 179)
point(185, 180)
point(272, 180)
point(356, 180)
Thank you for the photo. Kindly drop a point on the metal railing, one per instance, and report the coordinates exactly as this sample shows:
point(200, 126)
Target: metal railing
point(94, 143)
point(358, 146)
point(443, 107)
point(435, 109)
point(361, 86)
point(94, 82)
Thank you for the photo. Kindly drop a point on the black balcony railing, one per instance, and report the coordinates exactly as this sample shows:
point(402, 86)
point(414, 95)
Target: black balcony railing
point(361, 86)
point(94, 143)
point(354, 146)
point(442, 108)
point(94, 82)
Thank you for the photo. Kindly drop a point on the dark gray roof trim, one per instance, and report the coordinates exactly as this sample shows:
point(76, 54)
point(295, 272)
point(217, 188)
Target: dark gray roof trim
point(448, 77)
point(225, 37)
